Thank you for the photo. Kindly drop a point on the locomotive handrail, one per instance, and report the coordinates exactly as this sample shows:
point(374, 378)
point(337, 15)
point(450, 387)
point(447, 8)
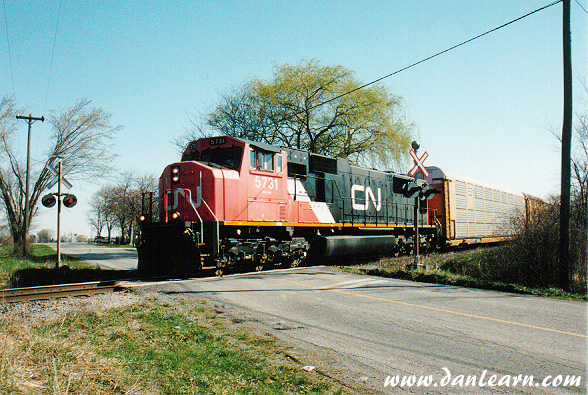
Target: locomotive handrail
point(217, 223)
point(196, 211)
point(342, 213)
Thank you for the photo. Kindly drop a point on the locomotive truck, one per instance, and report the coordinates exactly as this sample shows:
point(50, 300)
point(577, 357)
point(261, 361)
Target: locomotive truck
point(232, 203)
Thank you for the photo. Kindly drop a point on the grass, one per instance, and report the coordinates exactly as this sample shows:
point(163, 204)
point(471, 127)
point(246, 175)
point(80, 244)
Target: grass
point(154, 348)
point(466, 269)
point(41, 257)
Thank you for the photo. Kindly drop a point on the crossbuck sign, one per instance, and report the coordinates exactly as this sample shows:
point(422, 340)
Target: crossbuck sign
point(55, 179)
point(418, 163)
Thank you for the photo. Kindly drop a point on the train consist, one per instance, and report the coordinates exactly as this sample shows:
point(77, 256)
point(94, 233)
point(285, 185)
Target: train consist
point(232, 203)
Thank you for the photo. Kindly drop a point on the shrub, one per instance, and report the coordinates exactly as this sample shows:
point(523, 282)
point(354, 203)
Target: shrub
point(531, 258)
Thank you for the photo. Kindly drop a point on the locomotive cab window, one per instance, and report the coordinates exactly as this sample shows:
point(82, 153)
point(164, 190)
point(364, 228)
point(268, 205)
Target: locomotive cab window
point(229, 157)
point(261, 160)
point(279, 163)
point(191, 156)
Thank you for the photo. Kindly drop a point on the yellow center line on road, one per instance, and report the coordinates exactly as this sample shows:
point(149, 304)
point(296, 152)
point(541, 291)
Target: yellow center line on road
point(441, 310)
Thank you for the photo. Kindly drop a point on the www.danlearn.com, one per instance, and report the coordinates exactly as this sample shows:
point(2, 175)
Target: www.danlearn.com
point(483, 380)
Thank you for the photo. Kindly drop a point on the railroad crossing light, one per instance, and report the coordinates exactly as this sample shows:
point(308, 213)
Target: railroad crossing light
point(69, 200)
point(428, 192)
point(175, 174)
point(48, 201)
point(411, 189)
point(405, 186)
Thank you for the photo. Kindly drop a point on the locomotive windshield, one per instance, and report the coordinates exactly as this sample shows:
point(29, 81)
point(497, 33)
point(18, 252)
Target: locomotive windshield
point(224, 157)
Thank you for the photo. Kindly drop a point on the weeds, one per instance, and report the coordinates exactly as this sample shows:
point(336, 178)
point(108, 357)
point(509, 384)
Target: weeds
point(481, 268)
point(144, 348)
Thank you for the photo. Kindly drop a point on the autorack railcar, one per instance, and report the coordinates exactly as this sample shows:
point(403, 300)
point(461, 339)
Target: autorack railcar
point(470, 211)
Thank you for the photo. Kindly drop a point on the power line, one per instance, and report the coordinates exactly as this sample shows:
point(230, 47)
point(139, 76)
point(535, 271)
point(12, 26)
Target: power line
point(581, 6)
point(433, 56)
point(52, 55)
point(8, 46)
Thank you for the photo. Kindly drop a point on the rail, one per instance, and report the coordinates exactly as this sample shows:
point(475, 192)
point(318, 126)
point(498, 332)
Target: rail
point(46, 292)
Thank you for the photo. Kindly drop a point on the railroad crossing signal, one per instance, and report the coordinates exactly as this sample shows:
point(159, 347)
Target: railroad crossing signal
point(49, 200)
point(55, 179)
point(70, 200)
point(418, 163)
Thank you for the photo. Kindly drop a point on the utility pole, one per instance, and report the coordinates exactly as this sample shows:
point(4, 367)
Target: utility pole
point(30, 120)
point(566, 147)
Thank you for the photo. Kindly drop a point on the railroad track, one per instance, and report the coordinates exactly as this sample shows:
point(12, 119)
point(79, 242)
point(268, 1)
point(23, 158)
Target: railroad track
point(13, 295)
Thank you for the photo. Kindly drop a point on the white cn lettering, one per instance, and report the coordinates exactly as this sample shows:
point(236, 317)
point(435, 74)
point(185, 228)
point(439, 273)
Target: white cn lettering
point(183, 192)
point(369, 195)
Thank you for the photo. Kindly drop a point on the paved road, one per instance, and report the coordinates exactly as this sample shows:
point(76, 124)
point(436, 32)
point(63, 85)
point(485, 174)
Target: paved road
point(363, 329)
point(105, 257)
point(366, 330)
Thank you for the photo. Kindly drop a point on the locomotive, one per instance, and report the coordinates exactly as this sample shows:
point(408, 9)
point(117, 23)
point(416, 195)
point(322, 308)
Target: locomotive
point(234, 203)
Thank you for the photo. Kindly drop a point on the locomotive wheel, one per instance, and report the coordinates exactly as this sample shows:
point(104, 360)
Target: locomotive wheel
point(295, 262)
point(297, 258)
point(260, 262)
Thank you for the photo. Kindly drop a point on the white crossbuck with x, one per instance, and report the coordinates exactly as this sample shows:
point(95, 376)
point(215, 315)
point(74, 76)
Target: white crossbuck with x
point(419, 163)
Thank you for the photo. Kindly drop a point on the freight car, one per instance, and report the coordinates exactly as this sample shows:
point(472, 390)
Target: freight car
point(231, 202)
point(470, 211)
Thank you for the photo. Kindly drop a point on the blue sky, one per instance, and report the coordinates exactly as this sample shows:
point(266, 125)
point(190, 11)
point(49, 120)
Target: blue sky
point(484, 110)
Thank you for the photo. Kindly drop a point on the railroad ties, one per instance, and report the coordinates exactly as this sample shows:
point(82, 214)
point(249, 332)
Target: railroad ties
point(13, 295)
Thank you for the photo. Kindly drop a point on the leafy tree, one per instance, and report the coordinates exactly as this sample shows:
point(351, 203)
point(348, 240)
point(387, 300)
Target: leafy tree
point(81, 139)
point(308, 106)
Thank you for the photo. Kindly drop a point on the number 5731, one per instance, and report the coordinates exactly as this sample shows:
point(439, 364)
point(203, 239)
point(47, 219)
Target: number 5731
point(266, 182)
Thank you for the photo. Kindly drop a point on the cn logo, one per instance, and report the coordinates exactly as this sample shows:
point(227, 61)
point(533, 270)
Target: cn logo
point(183, 193)
point(364, 202)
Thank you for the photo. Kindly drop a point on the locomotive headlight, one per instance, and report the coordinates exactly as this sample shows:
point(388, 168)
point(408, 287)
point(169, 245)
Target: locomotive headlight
point(142, 218)
point(175, 174)
point(176, 215)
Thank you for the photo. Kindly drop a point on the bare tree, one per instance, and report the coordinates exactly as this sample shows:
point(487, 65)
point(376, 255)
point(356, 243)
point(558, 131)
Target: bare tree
point(97, 216)
point(81, 138)
point(101, 214)
point(120, 205)
point(45, 236)
point(580, 162)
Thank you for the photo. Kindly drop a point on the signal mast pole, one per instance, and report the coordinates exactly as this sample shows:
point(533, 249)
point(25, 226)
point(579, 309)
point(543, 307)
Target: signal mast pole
point(59, 176)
